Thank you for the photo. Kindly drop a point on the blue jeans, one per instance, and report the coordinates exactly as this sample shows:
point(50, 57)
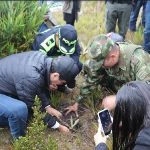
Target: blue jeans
point(135, 12)
point(13, 113)
point(147, 28)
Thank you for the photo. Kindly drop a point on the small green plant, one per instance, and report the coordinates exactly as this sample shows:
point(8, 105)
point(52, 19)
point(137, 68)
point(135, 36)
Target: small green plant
point(94, 100)
point(55, 98)
point(35, 138)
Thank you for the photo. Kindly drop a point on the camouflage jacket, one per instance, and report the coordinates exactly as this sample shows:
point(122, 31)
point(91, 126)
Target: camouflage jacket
point(134, 64)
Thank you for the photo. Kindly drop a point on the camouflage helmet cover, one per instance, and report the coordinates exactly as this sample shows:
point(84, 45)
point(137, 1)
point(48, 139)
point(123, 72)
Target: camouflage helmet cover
point(100, 47)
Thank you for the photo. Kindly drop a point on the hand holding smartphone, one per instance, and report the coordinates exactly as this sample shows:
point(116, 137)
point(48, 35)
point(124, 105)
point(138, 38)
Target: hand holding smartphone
point(105, 120)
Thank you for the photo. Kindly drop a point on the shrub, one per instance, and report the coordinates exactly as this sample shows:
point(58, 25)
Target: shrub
point(19, 23)
point(35, 138)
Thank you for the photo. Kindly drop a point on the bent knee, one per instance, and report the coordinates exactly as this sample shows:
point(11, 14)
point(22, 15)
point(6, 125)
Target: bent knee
point(20, 111)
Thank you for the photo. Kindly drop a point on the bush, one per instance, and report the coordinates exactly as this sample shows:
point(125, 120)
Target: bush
point(19, 23)
point(35, 138)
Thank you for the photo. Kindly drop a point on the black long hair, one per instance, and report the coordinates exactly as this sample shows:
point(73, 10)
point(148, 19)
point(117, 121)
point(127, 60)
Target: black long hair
point(129, 115)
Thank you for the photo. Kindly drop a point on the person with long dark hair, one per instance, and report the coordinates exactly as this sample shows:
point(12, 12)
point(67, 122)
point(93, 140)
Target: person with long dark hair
point(131, 122)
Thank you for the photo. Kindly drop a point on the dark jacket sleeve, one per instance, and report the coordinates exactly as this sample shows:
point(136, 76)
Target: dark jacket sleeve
point(101, 146)
point(49, 120)
point(44, 95)
point(39, 38)
point(35, 44)
point(76, 55)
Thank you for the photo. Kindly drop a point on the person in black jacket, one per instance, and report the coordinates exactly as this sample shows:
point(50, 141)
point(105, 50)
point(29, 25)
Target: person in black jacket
point(25, 75)
point(59, 41)
point(131, 123)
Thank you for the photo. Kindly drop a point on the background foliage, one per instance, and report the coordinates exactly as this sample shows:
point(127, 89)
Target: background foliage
point(19, 21)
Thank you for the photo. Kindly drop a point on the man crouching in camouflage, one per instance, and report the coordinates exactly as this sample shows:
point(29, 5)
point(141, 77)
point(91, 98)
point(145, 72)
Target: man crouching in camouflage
point(114, 63)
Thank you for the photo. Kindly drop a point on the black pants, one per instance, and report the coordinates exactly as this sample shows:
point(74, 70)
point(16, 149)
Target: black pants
point(69, 18)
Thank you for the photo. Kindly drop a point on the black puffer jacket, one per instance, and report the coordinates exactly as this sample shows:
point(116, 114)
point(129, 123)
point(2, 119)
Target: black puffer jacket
point(25, 75)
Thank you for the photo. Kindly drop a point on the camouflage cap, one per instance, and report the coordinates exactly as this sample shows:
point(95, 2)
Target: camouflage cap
point(100, 47)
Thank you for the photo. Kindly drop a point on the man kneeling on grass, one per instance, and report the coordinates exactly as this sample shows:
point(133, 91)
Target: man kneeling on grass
point(25, 75)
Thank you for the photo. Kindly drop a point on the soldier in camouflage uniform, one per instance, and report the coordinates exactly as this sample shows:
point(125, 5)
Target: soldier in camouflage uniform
point(112, 63)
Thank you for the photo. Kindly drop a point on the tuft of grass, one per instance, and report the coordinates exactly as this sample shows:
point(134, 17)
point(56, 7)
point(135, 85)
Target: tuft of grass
point(136, 37)
point(55, 98)
point(94, 101)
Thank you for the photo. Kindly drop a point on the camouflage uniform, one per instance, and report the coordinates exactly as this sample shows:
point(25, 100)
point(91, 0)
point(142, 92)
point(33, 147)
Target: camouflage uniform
point(134, 64)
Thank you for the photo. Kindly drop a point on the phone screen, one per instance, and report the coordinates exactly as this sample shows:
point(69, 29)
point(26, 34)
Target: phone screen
point(106, 121)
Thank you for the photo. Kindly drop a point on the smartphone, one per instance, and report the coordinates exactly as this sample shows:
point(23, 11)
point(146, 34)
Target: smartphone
point(105, 119)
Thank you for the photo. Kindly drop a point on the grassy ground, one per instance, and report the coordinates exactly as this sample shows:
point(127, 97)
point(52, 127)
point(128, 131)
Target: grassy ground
point(90, 23)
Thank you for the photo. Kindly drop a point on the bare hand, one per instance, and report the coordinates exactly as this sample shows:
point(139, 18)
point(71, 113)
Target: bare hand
point(53, 87)
point(73, 108)
point(109, 102)
point(63, 129)
point(54, 112)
